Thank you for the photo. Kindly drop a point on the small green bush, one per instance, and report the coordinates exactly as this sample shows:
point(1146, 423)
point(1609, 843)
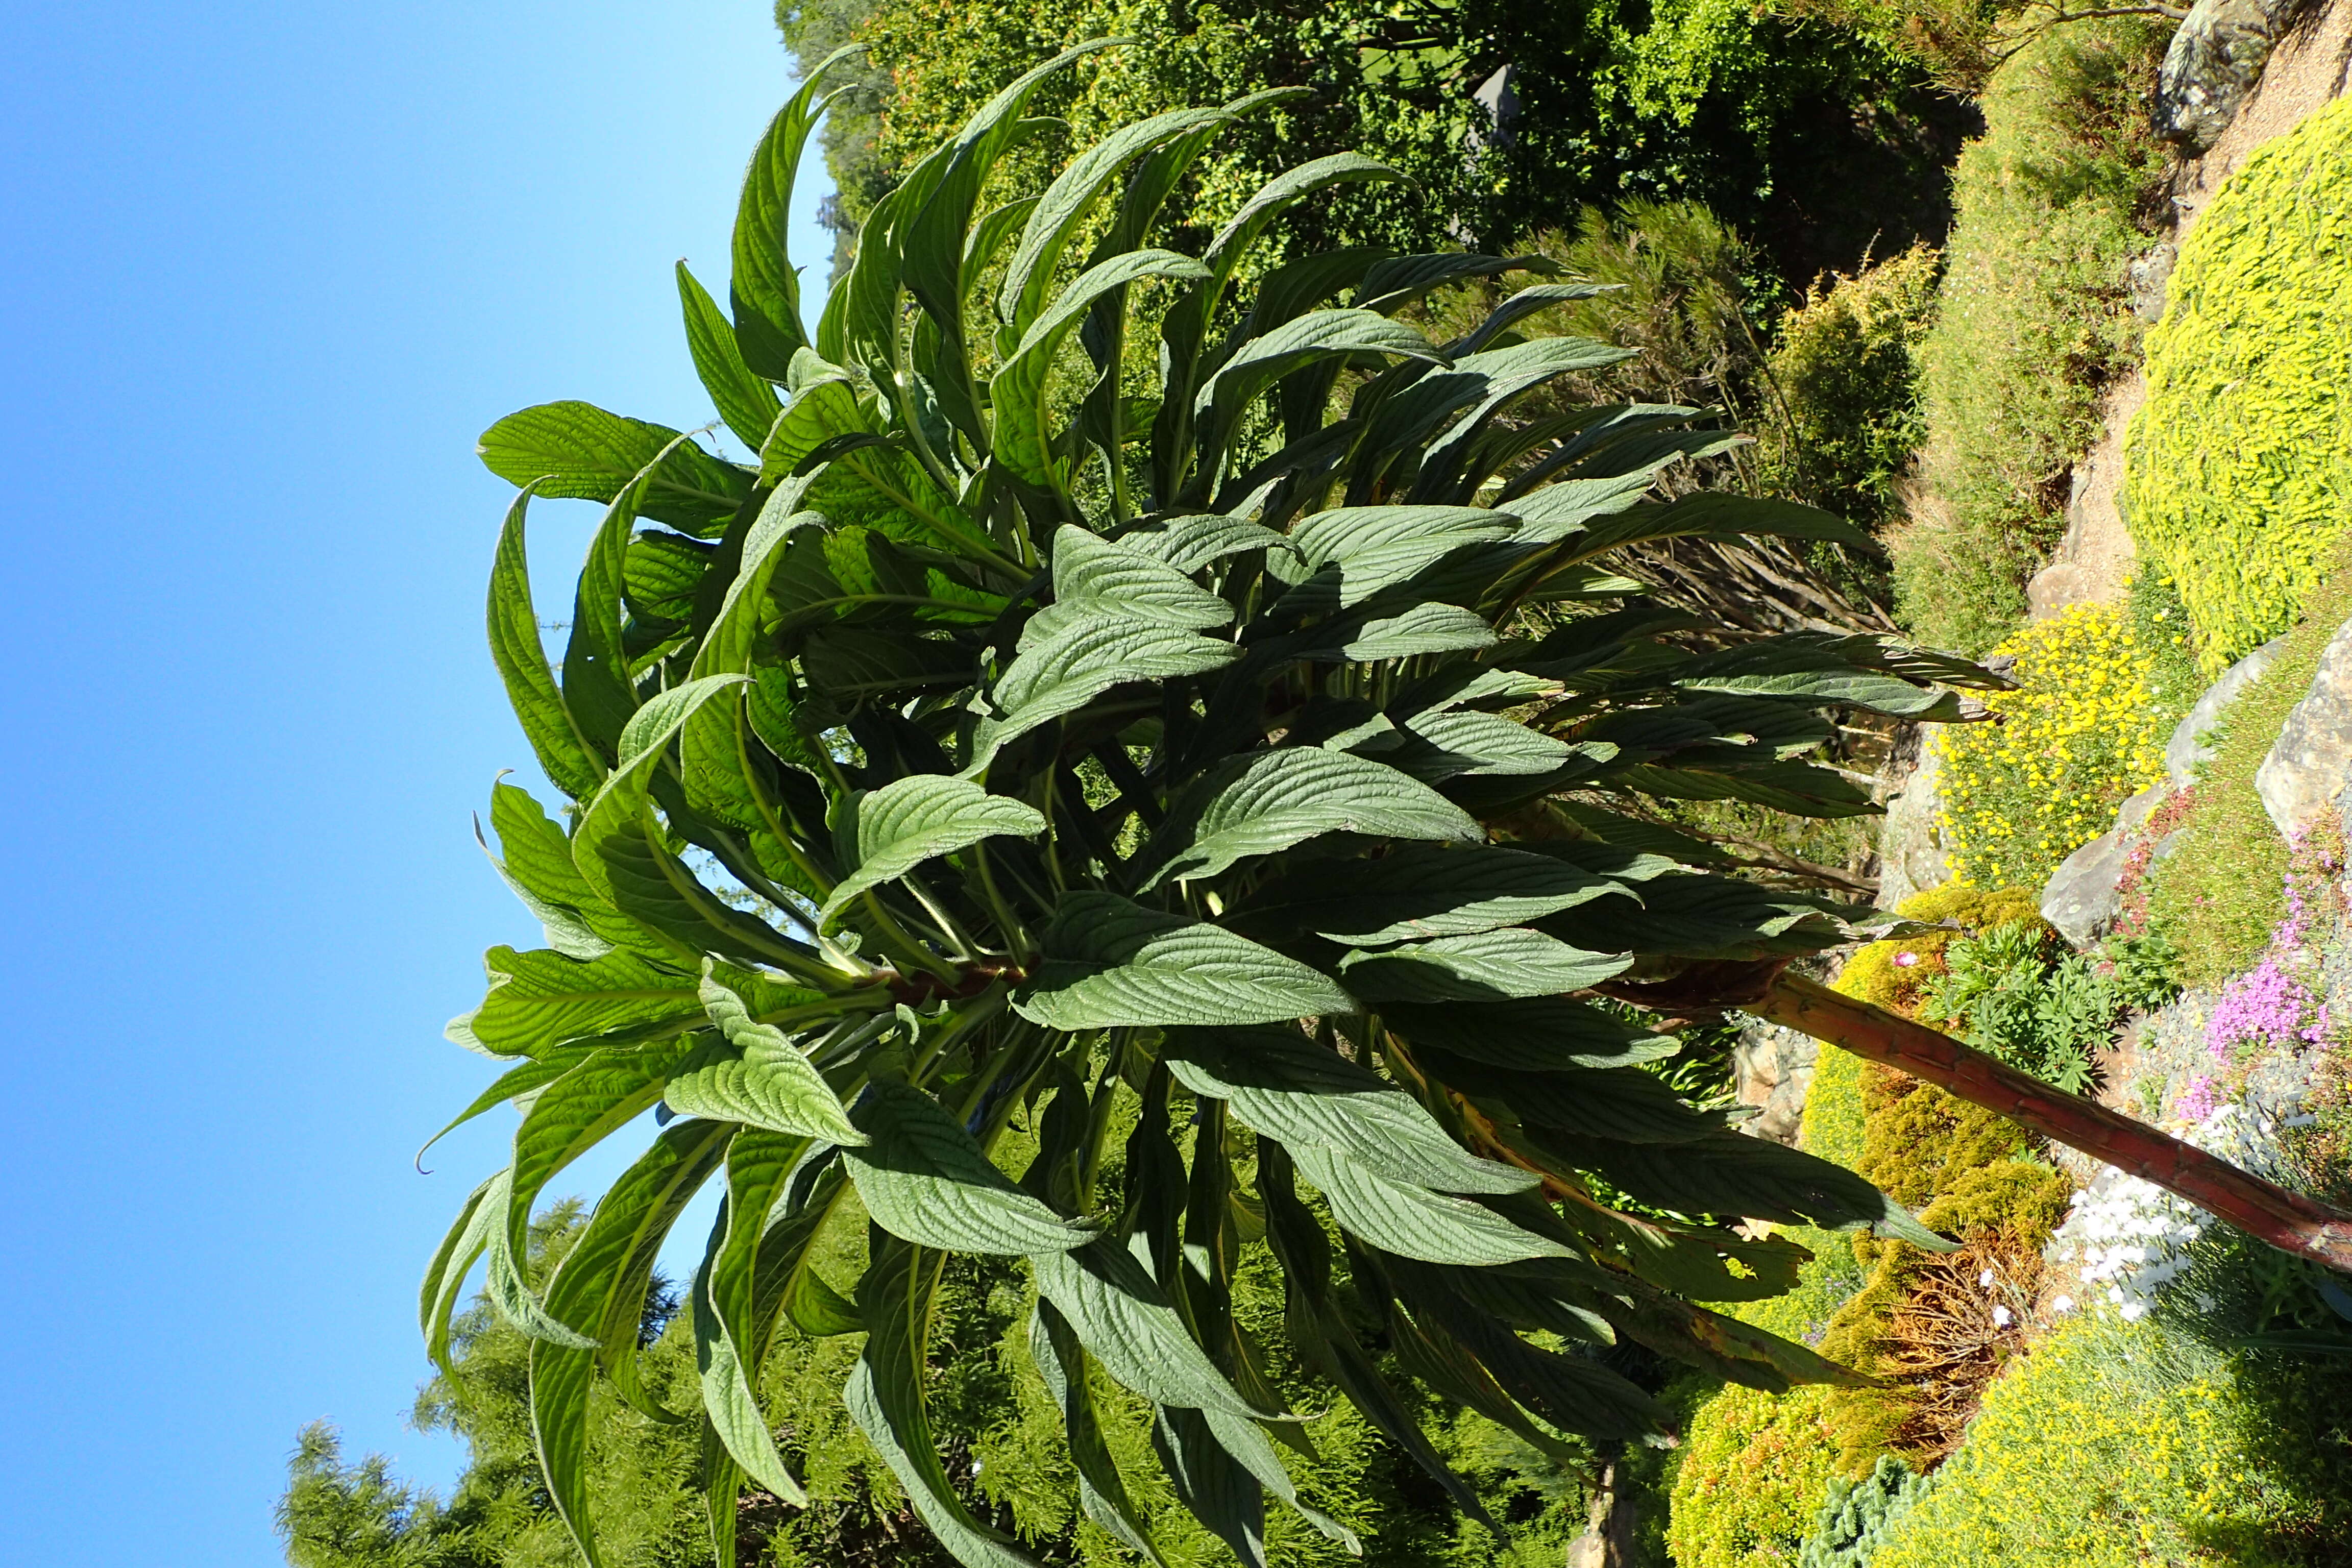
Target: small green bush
point(1856, 1515)
point(1753, 1469)
point(2033, 320)
point(1842, 380)
point(2237, 467)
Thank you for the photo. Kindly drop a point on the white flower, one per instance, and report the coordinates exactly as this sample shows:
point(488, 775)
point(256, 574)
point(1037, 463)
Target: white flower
point(2063, 1304)
point(1985, 1280)
point(2000, 1317)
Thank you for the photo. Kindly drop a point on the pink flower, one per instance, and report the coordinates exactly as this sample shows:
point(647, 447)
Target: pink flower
point(1906, 960)
point(2198, 1102)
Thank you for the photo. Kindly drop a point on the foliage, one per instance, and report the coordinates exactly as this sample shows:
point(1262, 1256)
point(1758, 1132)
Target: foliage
point(1856, 1514)
point(2167, 642)
point(2112, 1445)
point(2080, 733)
point(1816, 139)
point(1072, 763)
point(1957, 42)
point(356, 1516)
point(1844, 416)
point(2221, 893)
point(2238, 463)
point(1751, 1477)
point(2032, 319)
point(2023, 998)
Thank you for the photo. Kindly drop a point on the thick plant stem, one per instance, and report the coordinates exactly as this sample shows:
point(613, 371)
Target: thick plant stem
point(2288, 1221)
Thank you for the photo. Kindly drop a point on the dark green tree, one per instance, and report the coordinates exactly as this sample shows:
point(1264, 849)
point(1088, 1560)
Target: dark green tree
point(1026, 759)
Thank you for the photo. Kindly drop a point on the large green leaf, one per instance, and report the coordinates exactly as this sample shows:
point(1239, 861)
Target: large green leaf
point(1412, 1221)
point(1078, 663)
point(578, 450)
point(562, 750)
point(1062, 1366)
point(1061, 211)
point(1349, 553)
point(1486, 965)
point(573, 1115)
point(1213, 1487)
point(1539, 1035)
point(1123, 1317)
point(484, 1211)
point(540, 1000)
point(766, 286)
point(742, 396)
point(1110, 962)
point(925, 1179)
point(1418, 891)
point(884, 1397)
point(1262, 804)
point(919, 819)
point(1094, 576)
point(1021, 390)
point(600, 1288)
point(759, 1165)
point(757, 1076)
point(1287, 1086)
point(621, 851)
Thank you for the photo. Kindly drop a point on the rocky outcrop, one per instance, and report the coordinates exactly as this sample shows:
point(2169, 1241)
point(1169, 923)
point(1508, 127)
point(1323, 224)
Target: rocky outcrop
point(2311, 763)
point(1772, 1067)
point(1911, 856)
point(2186, 751)
point(2213, 62)
point(2083, 895)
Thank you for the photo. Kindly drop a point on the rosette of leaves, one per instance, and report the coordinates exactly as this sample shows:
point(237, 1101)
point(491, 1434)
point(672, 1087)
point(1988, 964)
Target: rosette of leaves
point(1220, 767)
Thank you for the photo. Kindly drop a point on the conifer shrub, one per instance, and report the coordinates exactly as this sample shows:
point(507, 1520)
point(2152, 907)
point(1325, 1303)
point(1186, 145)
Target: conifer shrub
point(1856, 1515)
point(2238, 465)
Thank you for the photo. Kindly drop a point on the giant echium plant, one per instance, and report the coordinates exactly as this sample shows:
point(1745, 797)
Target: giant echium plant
point(1204, 770)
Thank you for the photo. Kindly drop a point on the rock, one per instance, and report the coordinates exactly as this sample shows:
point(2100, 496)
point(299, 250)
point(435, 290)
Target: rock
point(1910, 853)
point(2311, 762)
point(2214, 60)
point(1499, 97)
point(1772, 1067)
point(2135, 811)
point(2183, 755)
point(2057, 586)
point(2149, 274)
point(2080, 897)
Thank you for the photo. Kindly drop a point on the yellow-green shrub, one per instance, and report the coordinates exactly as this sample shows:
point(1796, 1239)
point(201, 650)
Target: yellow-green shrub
point(1750, 1479)
point(2110, 1445)
point(1835, 1115)
point(1844, 375)
point(2237, 467)
point(2081, 733)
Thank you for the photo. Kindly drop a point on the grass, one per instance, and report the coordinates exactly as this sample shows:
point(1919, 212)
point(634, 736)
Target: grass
point(2218, 897)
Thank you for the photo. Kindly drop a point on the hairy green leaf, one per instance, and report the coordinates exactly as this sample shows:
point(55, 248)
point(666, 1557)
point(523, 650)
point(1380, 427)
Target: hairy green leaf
point(1109, 963)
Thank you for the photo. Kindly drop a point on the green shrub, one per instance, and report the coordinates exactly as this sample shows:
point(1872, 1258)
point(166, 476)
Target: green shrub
point(1844, 416)
point(1750, 1479)
point(2032, 319)
point(2110, 1445)
point(1817, 141)
point(2026, 999)
point(2220, 894)
point(2239, 464)
point(2081, 733)
point(1855, 1515)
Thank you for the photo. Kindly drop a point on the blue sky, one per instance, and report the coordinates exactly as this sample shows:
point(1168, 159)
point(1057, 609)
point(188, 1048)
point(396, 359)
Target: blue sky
point(266, 271)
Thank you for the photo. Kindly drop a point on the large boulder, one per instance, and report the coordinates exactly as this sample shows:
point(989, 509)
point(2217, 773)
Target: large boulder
point(2311, 762)
point(2082, 897)
point(1911, 856)
point(2186, 752)
point(2213, 62)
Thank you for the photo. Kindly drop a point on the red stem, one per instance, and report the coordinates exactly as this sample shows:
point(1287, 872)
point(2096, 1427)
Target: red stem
point(2288, 1221)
